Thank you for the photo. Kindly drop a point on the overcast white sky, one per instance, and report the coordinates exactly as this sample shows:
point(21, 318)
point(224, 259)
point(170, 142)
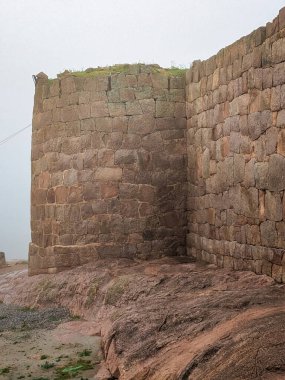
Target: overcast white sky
point(53, 35)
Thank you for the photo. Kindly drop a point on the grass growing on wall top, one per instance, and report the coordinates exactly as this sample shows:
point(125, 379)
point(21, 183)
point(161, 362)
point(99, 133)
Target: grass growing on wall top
point(175, 71)
point(108, 70)
point(126, 69)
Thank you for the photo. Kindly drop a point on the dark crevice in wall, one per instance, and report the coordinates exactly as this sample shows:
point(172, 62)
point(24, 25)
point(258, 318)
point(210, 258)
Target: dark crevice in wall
point(109, 84)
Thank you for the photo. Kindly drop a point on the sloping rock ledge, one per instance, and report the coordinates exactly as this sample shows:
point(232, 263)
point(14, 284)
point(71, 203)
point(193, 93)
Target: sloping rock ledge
point(168, 319)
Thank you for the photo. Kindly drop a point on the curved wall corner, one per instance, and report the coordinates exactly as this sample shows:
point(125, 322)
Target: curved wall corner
point(108, 168)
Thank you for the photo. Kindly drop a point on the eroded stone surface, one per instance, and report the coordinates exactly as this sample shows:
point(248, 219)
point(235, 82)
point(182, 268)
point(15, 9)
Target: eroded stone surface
point(2, 259)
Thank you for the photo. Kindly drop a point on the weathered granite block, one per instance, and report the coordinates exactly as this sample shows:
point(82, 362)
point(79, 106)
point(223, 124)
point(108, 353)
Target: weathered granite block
point(2, 259)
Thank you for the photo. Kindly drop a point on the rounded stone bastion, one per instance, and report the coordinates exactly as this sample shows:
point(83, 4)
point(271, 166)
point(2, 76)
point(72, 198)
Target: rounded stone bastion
point(108, 166)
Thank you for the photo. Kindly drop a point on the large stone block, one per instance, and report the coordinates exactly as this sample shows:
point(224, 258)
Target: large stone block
point(144, 79)
point(69, 113)
point(108, 174)
point(67, 85)
point(193, 91)
point(133, 108)
point(125, 157)
point(91, 191)
point(281, 18)
point(276, 173)
point(258, 123)
point(109, 190)
point(239, 168)
point(271, 140)
point(84, 111)
point(2, 260)
point(42, 119)
point(99, 109)
point(177, 83)
point(117, 109)
point(276, 98)
point(179, 109)
point(279, 74)
point(273, 206)
point(127, 94)
point(153, 142)
point(280, 122)
point(268, 233)
point(206, 163)
point(164, 109)
point(281, 143)
point(249, 202)
point(141, 124)
point(100, 83)
point(261, 175)
point(159, 80)
point(113, 140)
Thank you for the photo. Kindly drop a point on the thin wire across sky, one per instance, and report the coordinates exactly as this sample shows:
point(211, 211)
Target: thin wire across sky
point(2, 142)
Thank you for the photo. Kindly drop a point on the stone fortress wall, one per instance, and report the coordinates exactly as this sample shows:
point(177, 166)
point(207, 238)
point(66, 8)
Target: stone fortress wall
point(108, 167)
point(236, 154)
point(117, 172)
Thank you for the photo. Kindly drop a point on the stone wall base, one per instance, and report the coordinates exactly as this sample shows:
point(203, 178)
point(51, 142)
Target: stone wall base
point(233, 255)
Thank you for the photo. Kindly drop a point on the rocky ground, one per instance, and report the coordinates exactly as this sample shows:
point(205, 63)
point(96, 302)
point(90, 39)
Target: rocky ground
point(46, 343)
point(166, 319)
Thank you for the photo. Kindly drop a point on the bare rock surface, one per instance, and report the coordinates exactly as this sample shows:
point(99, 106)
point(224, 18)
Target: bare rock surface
point(167, 319)
point(45, 344)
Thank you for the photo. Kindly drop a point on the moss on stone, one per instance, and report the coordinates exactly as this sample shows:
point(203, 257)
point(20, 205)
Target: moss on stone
point(116, 290)
point(102, 71)
point(92, 292)
point(175, 71)
point(136, 68)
